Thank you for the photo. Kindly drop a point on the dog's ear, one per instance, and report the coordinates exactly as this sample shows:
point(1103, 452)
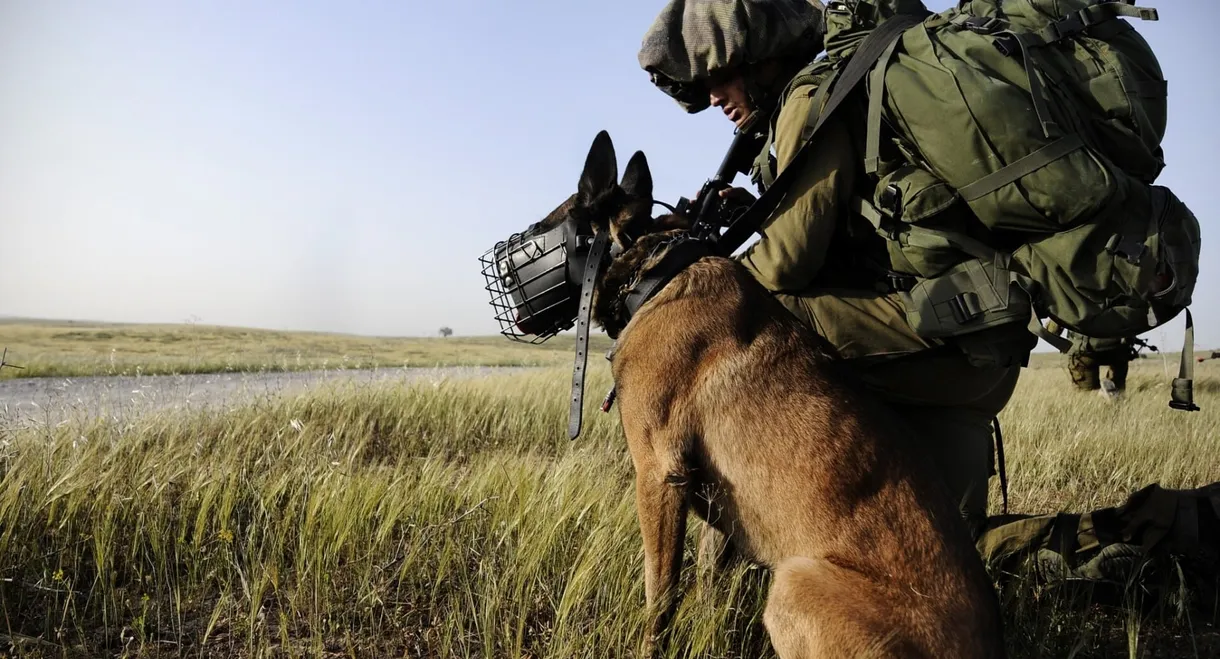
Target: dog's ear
point(637, 180)
point(600, 175)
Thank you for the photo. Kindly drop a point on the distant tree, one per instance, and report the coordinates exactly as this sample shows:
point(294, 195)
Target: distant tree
point(445, 331)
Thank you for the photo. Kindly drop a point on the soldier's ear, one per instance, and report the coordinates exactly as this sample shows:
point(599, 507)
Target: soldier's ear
point(637, 180)
point(601, 171)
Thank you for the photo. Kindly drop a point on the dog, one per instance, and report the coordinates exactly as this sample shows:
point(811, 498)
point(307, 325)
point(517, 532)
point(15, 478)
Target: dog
point(735, 410)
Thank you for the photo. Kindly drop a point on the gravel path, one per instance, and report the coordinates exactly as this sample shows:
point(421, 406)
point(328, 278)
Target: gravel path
point(26, 401)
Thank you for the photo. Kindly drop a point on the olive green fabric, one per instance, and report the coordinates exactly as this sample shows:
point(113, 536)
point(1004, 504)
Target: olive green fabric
point(691, 39)
point(1050, 135)
point(1109, 543)
point(814, 241)
point(960, 442)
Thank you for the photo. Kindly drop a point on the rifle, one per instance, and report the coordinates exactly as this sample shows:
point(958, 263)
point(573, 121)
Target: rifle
point(708, 212)
point(1137, 345)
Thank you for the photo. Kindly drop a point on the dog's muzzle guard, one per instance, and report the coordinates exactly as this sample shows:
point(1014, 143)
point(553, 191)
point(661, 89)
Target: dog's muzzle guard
point(541, 283)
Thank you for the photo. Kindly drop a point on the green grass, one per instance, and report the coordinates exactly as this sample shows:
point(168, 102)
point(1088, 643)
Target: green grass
point(45, 348)
point(456, 520)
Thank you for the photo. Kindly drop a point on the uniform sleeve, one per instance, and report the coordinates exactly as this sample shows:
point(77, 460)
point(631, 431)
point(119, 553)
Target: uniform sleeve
point(795, 238)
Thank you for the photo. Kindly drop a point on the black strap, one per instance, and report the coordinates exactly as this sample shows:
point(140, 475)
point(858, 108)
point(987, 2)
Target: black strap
point(680, 255)
point(870, 51)
point(1182, 393)
point(999, 452)
point(583, 319)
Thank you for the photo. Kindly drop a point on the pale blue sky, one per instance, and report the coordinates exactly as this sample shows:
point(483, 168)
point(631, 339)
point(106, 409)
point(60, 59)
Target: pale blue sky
point(339, 166)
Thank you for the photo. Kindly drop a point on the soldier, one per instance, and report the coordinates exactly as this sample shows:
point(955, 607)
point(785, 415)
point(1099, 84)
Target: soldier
point(826, 264)
point(822, 261)
point(1089, 354)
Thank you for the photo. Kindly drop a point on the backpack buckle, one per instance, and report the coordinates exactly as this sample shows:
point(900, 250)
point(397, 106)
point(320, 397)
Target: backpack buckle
point(899, 282)
point(890, 201)
point(1007, 44)
point(981, 24)
point(965, 307)
point(1069, 26)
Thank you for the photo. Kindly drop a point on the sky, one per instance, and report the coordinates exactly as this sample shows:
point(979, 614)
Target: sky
point(340, 167)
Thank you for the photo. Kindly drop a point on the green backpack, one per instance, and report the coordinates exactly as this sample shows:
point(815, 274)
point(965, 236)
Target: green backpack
point(1015, 181)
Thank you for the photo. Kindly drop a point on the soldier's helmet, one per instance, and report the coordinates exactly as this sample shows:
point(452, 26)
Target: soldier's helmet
point(692, 39)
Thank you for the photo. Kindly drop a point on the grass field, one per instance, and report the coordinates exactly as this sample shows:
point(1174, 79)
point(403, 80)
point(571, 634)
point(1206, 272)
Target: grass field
point(456, 520)
point(47, 348)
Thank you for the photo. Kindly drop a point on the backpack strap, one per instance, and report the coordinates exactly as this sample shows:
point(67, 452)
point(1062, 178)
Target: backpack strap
point(1085, 19)
point(877, 42)
point(1182, 396)
point(876, 90)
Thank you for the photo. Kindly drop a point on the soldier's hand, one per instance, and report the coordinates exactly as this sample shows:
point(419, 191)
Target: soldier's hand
point(735, 197)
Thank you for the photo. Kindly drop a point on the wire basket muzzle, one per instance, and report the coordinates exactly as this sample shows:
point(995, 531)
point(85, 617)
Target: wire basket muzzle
point(533, 281)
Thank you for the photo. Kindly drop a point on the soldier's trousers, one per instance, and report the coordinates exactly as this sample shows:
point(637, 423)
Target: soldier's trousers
point(1085, 369)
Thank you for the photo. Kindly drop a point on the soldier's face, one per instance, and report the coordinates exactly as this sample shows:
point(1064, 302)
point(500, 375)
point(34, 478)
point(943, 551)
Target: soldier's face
point(727, 91)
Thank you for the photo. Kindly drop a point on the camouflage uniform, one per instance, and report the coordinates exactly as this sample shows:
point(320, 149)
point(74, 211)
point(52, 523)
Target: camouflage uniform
point(823, 262)
point(1089, 354)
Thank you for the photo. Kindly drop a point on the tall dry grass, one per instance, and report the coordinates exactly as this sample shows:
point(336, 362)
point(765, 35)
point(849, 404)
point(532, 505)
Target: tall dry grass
point(456, 520)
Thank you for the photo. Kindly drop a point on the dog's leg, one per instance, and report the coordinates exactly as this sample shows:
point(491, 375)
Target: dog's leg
point(660, 497)
point(661, 506)
point(817, 609)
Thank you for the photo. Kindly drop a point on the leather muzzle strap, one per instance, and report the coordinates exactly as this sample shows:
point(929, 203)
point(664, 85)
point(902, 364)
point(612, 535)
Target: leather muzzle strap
point(583, 319)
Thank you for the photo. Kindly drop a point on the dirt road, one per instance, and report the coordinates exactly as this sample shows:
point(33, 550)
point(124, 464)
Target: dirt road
point(26, 401)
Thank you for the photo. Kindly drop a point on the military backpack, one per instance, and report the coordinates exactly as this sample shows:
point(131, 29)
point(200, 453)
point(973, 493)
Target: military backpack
point(1040, 121)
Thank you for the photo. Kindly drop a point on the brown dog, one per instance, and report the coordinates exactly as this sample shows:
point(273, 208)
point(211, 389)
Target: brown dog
point(732, 408)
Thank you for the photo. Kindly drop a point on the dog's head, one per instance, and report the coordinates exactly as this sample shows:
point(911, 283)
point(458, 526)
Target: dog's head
point(624, 209)
point(535, 276)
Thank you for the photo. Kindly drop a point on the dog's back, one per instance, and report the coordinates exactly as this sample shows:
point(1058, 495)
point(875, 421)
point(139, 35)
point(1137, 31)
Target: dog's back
point(806, 473)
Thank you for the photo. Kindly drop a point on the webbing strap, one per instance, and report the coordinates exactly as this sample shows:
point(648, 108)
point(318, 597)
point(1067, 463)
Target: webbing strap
point(1069, 26)
point(679, 257)
point(583, 319)
point(1182, 395)
point(819, 100)
point(873, 46)
point(999, 452)
point(763, 171)
point(864, 208)
point(1077, 22)
point(876, 92)
point(1035, 325)
point(1024, 42)
point(1022, 167)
